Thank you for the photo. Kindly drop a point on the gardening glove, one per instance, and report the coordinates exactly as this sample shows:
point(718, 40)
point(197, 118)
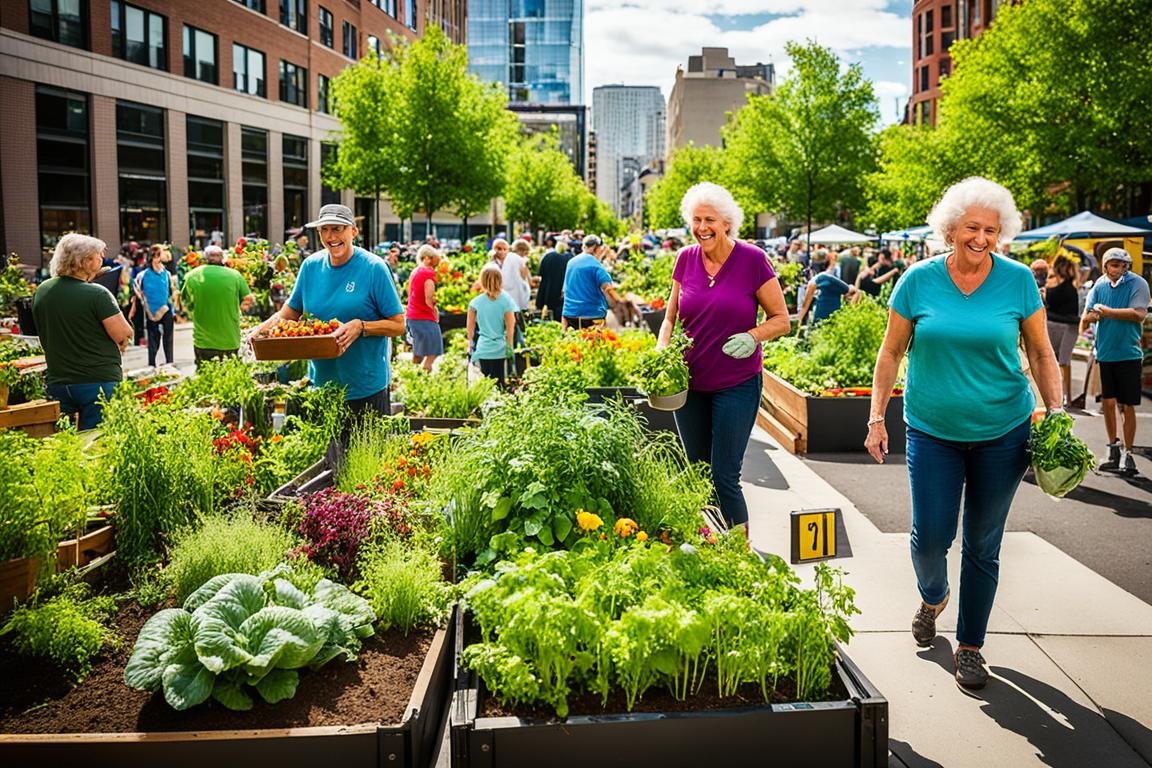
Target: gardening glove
point(739, 345)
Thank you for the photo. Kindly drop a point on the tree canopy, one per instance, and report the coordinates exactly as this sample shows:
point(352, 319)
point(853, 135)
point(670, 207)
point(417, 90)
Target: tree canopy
point(543, 189)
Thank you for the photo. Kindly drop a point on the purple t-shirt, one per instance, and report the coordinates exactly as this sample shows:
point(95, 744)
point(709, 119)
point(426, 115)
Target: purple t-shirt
point(712, 314)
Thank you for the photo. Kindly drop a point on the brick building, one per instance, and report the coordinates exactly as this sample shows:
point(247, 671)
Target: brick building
point(168, 120)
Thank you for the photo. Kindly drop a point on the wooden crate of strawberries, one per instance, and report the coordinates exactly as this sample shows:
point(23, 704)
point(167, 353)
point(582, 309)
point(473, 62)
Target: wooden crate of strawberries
point(303, 339)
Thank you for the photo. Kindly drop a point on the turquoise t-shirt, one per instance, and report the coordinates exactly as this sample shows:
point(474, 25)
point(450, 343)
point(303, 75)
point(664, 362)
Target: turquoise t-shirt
point(360, 289)
point(1119, 340)
point(965, 381)
point(582, 281)
point(491, 342)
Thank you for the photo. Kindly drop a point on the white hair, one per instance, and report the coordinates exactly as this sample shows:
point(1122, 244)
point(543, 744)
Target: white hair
point(975, 192)
point(213, 251)
point(73, 248)
point(707, 193)
point(427, 252)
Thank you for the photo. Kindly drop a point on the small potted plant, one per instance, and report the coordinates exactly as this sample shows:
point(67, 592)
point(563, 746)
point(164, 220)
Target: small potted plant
point(662, 374)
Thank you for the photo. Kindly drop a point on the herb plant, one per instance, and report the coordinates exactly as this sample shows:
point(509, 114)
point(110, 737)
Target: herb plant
point(444, 393)
point(1060, 460)
point(404, 585)
point(69, 629)
point(336, 524)
point(224, 545)
point(663, 372)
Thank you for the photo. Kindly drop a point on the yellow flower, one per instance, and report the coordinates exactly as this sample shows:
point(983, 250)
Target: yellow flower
point(423, 438)
point(588, 521)
point(641, 537)
point(625, 527)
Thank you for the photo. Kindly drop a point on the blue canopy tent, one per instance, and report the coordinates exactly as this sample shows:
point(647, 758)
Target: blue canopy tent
point(1083, 224)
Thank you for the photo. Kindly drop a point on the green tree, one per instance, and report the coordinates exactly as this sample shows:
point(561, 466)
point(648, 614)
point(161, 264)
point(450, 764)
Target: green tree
point(1052, 100)
point(687, 166)
point(543, 189)
point(597, 216)
point(805, 150)
point(908, 181)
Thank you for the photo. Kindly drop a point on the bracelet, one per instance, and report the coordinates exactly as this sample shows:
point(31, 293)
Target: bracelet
point(1055, 410)
point(875, 420)
point(363, 329)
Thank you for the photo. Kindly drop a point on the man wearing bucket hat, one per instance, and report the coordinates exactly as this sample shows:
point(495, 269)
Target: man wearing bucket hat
point(1118, 303)
point(350, 284)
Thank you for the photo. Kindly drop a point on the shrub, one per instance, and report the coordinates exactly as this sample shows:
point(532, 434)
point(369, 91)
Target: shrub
point(404, 585)
point(223, 545)
point(69, 629)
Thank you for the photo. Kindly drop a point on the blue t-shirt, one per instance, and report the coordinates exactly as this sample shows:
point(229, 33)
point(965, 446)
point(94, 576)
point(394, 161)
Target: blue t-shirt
point(1119, 340)
point(156, 287)
point(361, 289)
point(491, 342)
point(829, 292)
point(965, 381)
point(582, 281)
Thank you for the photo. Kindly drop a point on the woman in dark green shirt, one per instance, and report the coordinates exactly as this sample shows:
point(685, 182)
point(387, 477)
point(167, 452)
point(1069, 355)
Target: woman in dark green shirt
point(81, 330)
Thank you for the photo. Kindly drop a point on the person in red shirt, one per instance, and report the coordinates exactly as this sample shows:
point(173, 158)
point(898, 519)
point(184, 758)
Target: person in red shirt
point(423, 319)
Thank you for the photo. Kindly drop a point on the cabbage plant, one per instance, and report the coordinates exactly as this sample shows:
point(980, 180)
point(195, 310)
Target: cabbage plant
point(239, 632)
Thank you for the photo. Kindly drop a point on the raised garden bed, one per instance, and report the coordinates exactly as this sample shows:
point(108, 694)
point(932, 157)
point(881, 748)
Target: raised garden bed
point(851, 730)
point(806, 424)
point(657, 420)
point(386, 708)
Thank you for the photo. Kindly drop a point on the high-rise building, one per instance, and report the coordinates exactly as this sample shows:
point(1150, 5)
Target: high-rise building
point(713, 85)
point(170, 120)
point(629, 125)
point(535, 48)
point(936, 24)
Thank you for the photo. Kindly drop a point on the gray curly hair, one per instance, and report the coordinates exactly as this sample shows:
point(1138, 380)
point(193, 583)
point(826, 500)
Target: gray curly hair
point(707, 193)
point(975, 192)
point(71, 250)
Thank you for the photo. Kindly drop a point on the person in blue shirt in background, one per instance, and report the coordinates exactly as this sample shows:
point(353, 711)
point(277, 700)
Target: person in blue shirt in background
point(155, 287)
point(349, 284)
point(1118, 303)
point(587, 287)
point(967, 404)
point(825, 290)
point(491, 325)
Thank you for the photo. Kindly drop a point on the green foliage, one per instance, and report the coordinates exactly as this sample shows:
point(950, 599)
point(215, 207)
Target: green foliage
point(648, 278)
point(543, 189)
point(69, 629)
point(13, 285)
point(839, 352)
point(636, 616)
point(224, 545)
point(663, 372)
point(444, 393)
point(404, 585)
point(686, 166)
point(805, 150)
point(1060, 459)
point(906, 185)
point(374, 440)
point(239, 632)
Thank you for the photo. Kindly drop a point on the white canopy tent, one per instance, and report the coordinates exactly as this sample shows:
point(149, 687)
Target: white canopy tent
point(911, 234)
point(836, 235)
point(1083, 224)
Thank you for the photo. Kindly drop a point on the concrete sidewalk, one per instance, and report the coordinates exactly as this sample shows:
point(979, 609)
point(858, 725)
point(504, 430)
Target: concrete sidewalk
point(1070, 652)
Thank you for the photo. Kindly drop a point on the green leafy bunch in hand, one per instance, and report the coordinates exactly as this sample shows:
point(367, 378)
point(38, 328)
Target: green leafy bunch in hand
point(664, 372)
point(1060, 460)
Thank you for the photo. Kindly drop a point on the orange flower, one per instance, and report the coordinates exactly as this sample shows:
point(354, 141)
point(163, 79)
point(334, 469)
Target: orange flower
point(625, 527)
point(276, 438)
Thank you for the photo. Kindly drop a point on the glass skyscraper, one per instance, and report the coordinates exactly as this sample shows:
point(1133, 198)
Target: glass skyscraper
point(534, 47)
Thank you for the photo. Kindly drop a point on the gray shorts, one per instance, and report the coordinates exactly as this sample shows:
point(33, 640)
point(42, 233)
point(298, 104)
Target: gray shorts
point(1063, 337)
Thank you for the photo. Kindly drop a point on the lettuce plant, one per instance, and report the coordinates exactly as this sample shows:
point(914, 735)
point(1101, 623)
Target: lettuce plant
point(239, 631)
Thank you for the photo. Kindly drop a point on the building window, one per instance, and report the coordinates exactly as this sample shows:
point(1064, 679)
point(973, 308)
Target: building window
point(62, 163)
point(924, 78)
point(919, 36)
point(256, 5)
point(925, 113)
point(945, 68)
point(206, 201)
point(143, 181)
point(929, 17)
point(374, 45)
point(293, 84)
point(929, 48)
point(295, 162)
point(946, 40)
point(61, 21)
point(410, 13)
point(254, 172)
point(945, 17)
point(322, 103)
point(247, 70)
point(388, 6)
point(326, 29)
point(294, 15)
point(327, 158)
point(138, 35)
point(349, 41)
point(200, 55)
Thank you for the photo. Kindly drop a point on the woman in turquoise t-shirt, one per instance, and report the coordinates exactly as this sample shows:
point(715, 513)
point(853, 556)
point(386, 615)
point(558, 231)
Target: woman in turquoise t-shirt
point(491, 325)
point(959, 317)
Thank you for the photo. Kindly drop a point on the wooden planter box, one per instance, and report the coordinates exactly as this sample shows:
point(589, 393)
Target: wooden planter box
point(37, 418)
point(411, 743)
point(17, 581)
point(823, 734)
point(806, 424)
point(322, 347)
point(657, 420)
point(434, 424)
point(82, 551)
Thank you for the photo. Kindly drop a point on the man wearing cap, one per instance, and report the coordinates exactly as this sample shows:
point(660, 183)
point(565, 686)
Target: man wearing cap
point(1118, 303)
point(215, 295)
point(587, 287)
point(353, 286)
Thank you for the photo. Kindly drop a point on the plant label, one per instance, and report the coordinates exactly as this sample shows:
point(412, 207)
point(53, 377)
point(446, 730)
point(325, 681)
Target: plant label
point(814, 534)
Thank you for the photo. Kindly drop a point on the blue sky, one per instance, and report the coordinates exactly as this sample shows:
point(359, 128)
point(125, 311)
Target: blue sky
point(648, 39)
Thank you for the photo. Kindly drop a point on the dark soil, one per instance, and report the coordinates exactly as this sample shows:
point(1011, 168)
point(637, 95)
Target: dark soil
point(37, 698)
point(660, 700)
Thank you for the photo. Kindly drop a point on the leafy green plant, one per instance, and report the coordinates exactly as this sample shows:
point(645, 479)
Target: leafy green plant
point(1060, 459)
point(222, 544)
point(444, 393)
point(374, 439)
point(13, 285)
point(663, 372)
point(404, 585)
point(239, 632)
point(69, 629)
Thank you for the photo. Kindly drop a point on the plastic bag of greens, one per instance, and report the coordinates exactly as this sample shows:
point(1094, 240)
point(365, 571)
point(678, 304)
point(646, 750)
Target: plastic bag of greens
point(1059, 458)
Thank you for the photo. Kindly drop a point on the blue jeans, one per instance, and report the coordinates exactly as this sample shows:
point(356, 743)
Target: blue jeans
point(987, 473)
point(715, 427)
point(83, 400)
point(160, 332)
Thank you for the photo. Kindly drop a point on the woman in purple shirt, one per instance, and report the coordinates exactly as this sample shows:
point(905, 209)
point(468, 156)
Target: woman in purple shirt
point(718, 287)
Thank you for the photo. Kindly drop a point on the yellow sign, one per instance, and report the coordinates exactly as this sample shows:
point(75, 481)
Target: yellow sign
point(813, 534)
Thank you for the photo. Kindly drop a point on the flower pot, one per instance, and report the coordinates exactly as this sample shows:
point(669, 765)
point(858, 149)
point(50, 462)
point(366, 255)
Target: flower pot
point(668, 402)
point(17, 581)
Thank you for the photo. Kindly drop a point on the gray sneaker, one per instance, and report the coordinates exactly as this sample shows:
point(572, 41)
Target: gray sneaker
point(1128, 465)
point(971, 669)
point(924, 622)
point(1112, 463)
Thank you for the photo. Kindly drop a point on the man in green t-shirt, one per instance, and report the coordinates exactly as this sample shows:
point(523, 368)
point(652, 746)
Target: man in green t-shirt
point(215, 295)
